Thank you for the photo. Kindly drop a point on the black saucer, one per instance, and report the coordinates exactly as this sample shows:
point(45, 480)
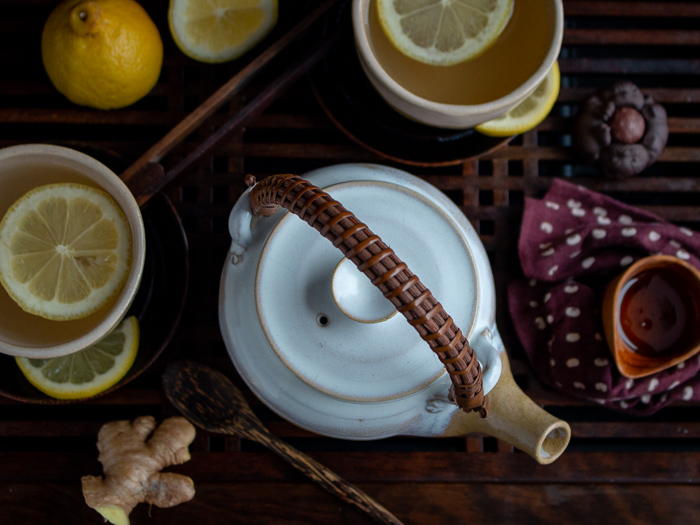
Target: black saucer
point(158, 304)
point(355, 107)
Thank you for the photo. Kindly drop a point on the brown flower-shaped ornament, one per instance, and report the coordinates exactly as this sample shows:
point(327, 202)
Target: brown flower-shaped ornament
point(620, 130)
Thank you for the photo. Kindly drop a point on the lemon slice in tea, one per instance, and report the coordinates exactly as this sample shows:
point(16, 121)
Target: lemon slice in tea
point(220, 30)
point(443, 32)
point(529, 113)
point(90, 371)
point(65, 251)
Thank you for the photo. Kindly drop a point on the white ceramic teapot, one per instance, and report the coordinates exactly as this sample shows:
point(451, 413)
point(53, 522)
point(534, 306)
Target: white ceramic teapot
point(322, 345)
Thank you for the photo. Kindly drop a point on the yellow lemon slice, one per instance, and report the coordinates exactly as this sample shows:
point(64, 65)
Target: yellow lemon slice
point(90, 371)
point(220, 30)
point(65, 251)
point(443, 32)
point(530, 112)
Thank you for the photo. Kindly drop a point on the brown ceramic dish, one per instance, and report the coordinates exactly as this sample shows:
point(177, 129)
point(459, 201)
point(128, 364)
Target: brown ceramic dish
point(635, 363)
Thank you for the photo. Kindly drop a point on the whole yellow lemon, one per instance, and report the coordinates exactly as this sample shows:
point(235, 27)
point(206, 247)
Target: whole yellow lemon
point(102, 53)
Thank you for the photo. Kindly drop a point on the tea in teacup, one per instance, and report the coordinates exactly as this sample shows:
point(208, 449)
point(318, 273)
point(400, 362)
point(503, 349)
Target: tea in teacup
point(470, 92)
point(26, 168)
point(515, 56)
point(650, 315)
point(657, 314)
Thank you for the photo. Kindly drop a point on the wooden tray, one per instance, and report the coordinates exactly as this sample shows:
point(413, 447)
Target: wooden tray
point(617, 469)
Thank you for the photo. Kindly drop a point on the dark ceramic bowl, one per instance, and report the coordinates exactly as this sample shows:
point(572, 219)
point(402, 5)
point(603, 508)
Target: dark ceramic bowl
point(158, 304)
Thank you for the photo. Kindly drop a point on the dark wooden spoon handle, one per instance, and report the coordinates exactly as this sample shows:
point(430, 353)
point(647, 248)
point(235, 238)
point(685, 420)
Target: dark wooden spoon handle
point(146, 176)
point(210, 400)
point(325, 477)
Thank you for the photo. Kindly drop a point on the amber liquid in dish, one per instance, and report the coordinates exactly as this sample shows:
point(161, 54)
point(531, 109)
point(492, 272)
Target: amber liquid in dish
point(498, 71)
point(17, 326)
point(658, 313)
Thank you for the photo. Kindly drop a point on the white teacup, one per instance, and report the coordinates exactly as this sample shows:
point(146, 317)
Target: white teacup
point(450, 97)
point(23, 168)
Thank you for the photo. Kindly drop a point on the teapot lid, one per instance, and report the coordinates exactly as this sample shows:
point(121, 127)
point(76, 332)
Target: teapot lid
point(304, 295)
point(308, 348)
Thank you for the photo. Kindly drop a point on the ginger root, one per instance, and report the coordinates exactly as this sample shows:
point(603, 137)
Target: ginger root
point(132, 466)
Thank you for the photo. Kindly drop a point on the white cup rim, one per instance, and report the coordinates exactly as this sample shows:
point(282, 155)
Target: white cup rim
point(123, 196)
point(359, 19)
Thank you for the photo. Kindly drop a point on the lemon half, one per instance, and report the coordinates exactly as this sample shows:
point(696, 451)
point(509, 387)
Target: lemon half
point(443, 32)
point(65, 251)
point(530, 112)
point(90, 371)
point(220, 30)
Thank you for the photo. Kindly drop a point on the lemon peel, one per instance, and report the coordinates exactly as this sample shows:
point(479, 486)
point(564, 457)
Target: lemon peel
point(530, 112)
point(87, 372)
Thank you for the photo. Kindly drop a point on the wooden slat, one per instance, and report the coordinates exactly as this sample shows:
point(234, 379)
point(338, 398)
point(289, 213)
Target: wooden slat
point(659, 94)
point(636, 430)
point(629, 66)
point(653, 468)
point(434, 504)
point(87, 117)
point(647, 37)
point(604, 8)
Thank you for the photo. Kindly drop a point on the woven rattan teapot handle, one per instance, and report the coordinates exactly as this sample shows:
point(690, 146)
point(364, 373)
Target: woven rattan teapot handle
point(386, 271)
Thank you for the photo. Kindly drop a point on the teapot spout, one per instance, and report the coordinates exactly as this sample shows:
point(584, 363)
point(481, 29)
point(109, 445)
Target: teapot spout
point(518, 420)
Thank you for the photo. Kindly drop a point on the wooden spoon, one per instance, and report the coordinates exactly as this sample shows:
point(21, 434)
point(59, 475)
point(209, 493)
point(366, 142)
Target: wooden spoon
point(211, 401)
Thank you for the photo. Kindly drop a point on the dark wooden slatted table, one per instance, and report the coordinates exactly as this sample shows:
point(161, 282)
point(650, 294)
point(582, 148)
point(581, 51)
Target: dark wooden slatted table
point(618, 469)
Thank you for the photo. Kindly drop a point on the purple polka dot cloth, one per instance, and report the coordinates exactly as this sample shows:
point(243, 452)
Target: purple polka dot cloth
point(572, 242)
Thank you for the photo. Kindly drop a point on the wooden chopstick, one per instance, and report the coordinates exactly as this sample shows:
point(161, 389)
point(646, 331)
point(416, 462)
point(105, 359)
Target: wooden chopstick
point(146, 176)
